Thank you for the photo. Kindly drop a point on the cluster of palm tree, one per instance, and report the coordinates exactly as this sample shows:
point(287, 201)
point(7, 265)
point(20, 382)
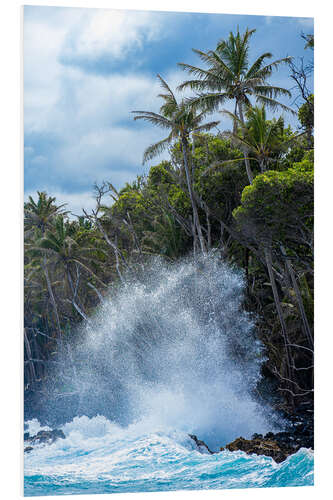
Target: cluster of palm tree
point(193, 201)
point(229, 76)
point(63, 261)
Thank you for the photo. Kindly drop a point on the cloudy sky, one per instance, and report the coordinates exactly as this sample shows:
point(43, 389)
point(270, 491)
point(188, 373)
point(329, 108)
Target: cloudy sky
point(85, 70)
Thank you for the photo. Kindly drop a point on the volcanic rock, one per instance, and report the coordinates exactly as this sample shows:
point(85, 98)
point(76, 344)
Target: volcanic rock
point(263, 446)
point(44, 437)
point(201, 444)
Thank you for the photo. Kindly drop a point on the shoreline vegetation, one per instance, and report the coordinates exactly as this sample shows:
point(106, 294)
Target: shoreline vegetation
point(244, 194)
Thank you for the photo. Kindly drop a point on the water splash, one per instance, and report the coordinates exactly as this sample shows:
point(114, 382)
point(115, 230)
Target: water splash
point(99, 456)
point(174, 348)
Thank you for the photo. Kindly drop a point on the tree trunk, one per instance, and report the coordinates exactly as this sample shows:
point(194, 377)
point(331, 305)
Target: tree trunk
point(247, 162)
point(194, 206)
point(306, 326)
point(74, 292)
point(115, 249)
point(51, 295)
point(29, 356)
point(268, 258)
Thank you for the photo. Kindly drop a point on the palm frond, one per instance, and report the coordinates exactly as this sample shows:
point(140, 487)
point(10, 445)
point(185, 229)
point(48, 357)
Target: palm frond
point(156, 149)
point(167, 88)
point(272, 91)
point(206, 127)
point(207, 78)
point(273, 104)
point(208, 102)
point(257, 64)
point(267, 70)
point(154, 118)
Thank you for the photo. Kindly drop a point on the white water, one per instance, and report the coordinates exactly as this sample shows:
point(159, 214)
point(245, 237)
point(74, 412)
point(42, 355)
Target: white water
point(170, 354)
point(174, 349)
point(99, 456)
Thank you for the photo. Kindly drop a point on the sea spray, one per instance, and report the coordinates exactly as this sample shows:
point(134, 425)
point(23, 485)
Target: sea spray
point(174, 348)
point(100, 456)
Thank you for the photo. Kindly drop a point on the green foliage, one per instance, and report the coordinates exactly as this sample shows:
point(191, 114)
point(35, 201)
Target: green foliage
point(264, 142)
point(306, 113)
point(160, 175)
point(229, 75)
point(202, 187)
point(278, 204)
point(177, 118)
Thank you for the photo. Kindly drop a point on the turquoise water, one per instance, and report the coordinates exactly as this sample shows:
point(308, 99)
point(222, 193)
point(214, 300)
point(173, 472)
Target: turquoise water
point(99, 456)
point(170, 354)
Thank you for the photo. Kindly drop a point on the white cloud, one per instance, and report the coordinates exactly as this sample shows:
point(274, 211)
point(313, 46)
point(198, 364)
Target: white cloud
point(87, 114)
point(50, 88)
point(113, 32)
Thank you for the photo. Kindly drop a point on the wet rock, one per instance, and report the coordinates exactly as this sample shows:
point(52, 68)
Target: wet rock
point(44, 437)
point(48, 437)
point(201, 444)
point(26, 436)
point(298, 434)
point(262, 446)
point(27, 449)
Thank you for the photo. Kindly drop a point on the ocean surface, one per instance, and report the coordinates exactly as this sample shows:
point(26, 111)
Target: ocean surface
point(99, 456)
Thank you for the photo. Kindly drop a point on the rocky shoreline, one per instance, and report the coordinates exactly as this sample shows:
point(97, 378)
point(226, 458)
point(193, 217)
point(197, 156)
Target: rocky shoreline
point(280, 445)
point(42, 437)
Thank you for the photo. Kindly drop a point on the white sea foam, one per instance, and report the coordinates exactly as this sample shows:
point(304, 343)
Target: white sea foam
point(100, 456)
point(174, 348)
point(170, 353)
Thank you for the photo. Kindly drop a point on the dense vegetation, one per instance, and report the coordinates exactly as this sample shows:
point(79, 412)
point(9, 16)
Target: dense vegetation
point(246, 194)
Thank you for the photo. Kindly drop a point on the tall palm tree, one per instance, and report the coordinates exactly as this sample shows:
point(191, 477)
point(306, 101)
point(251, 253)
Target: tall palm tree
point(229, 75)
point(181, 121)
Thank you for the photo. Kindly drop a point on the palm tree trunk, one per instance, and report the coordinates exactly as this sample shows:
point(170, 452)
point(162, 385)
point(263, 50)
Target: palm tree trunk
point(194, 206)
point(51, 295)
point(29, 356)
point(247, 162)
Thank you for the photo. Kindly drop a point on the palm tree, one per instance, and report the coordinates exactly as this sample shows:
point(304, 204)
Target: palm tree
point(263, 139)
point(66, 244)
point(40, 214)
point(230, 76)
point(181, 121)
point(38, 217)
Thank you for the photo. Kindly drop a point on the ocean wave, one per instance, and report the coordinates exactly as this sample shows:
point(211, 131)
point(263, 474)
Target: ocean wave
point(100, 456)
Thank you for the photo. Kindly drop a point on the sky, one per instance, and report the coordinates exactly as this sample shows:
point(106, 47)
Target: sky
point(85, 70)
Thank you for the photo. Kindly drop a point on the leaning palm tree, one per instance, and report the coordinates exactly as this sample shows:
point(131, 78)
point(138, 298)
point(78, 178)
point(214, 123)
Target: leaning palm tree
point(229, 75)
point(181, 121)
